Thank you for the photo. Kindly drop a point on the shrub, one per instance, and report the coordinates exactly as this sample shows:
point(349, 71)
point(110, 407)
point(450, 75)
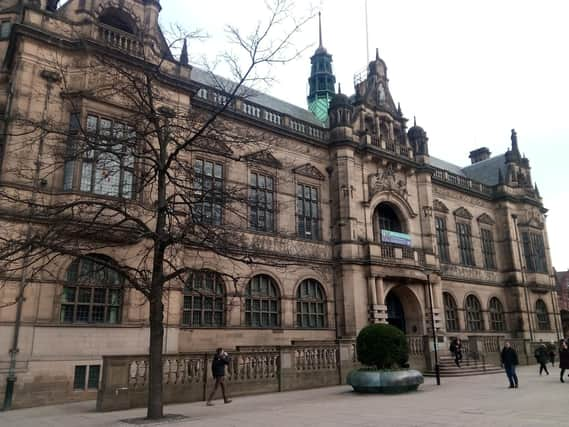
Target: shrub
point(382, 346)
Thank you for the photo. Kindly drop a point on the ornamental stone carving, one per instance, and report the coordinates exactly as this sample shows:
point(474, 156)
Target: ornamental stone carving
point(440, 206)
point(264, 157)
point(486, 219)
point(310, 171)
point(463, 213)
point(388, 179)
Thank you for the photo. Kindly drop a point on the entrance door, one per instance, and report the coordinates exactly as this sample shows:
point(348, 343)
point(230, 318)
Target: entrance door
point(395, 313)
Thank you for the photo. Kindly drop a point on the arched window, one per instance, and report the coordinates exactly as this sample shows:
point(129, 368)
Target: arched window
point(117, 18)
point(497, 319)
point(310, 305)
point(542, 316)
point(388, 219)
point(203, 300)
point(451, 312)
point(473, 314)
point(262, 303)
point(92, 292)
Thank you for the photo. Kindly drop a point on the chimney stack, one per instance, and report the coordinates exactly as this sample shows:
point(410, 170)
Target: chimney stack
point(479, 154)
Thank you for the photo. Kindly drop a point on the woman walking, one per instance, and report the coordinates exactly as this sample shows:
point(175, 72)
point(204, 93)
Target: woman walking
point(563, 359)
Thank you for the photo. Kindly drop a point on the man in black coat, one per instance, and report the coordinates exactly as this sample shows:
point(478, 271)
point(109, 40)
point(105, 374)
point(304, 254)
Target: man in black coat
point(220, 360)
point(563, 359)
point(509, 359)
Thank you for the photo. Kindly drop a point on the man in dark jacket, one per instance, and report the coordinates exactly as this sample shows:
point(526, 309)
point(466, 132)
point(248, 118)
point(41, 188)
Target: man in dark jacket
point(542, 358)
point(456, 350)
point(563, 359)
point(220, 360)
point(509, 359)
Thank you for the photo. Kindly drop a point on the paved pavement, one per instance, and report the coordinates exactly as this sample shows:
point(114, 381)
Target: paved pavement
point(468, 401)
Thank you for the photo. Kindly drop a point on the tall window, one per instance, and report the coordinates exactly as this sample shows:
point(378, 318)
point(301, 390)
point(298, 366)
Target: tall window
point(92, 293)
point(534, 252)
point(388, 219)
point(542, 316)
point(107, 159)
point(465, 244)
point(307, 212)
point(442, 239)
point(497, 319)
point(5, 27)
point(262, 303)
point(451, 312)
point(203, 300)
point(261, 213)
point(488, 250)
point(310, 305)
point(473, 314)
point(208, 191)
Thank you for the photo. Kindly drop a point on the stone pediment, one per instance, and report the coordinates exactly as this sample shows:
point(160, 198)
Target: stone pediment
point(486, 219)
point(463, 213)
point(310, 171)
point(214, 146)
point(264, 157)
point(440, 206)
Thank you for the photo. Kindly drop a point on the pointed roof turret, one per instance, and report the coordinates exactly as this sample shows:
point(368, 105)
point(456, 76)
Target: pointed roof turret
point(321, 81)
point(184, 55)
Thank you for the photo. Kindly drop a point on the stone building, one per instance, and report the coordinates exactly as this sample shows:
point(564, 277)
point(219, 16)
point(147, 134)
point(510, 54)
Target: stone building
point(381, 230)
point(562, 287)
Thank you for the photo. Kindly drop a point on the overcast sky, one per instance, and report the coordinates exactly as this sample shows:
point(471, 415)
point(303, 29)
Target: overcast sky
point(469, 70)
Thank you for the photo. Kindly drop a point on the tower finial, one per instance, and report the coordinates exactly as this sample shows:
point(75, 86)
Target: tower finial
point(515, 148)
point(184, 55)
point(414, 120)
point(339, 88)
point(320, 28)
point(376, 54)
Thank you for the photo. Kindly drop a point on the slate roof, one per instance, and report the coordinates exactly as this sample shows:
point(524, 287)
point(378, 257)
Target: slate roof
point(486, 171)
point(442, 164)
point(204, 77)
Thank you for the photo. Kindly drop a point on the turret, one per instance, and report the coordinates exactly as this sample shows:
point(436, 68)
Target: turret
point(321, 81)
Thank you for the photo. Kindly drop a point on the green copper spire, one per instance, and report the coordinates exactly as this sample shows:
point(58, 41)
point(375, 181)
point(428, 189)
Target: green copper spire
point(321, 80)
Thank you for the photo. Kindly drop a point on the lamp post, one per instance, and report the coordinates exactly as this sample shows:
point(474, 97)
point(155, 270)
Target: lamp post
point(437, 366)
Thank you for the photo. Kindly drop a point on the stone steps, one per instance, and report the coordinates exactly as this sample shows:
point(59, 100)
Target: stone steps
point(468, 367)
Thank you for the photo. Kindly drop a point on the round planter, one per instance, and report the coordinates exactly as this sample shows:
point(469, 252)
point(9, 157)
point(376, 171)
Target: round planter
point(399, 381)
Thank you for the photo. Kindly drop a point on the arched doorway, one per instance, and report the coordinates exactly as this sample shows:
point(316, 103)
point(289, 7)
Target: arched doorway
point(395, 312)
point(404, 310)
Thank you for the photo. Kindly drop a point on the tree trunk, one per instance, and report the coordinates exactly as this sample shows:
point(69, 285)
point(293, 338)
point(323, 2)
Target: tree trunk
point(155, 404)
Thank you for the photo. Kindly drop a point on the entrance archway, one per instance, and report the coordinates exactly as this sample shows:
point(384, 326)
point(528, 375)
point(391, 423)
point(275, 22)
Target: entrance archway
point(404, 310)
point(395, 312)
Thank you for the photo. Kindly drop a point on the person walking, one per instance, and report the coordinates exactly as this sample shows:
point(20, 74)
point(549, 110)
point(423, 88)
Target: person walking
point(509, 359)
point(551, 351)
point(456, 350)
point(542, 358)
point(563, 359)
point(220, 360)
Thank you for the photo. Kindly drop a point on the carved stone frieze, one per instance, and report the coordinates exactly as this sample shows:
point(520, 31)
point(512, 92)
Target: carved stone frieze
point(388, 179)
point(446, 193)
point(533, 218)
point(462, 273)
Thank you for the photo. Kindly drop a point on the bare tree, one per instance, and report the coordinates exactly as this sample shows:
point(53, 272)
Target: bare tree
point(143, 198)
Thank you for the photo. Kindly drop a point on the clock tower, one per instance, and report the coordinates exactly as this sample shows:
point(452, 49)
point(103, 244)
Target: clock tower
point(321, 80)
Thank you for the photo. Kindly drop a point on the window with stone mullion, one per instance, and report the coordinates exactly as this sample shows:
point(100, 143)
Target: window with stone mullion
point(534, 252)
point(310, 305)
point(203, 300)
point(488, 250)
point(107, 164)
point(542, 316)
point(307, 212)
point(497, 318)
point(261, 216)
point(465, 244)
point(473, 314)
point(261, 303)
point(208, 192)
point(442, 239)
point(451, 313)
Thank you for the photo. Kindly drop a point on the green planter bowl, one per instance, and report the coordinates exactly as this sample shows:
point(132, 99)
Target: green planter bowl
point(385, 381)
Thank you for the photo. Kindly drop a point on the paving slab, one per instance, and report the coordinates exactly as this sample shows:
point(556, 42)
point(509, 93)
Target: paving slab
point(484, 400)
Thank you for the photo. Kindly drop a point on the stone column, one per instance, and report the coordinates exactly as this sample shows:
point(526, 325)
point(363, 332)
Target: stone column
point(381, 308)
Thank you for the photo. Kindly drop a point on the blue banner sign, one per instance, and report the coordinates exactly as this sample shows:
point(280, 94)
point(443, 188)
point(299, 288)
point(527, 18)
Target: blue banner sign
point(402, 239)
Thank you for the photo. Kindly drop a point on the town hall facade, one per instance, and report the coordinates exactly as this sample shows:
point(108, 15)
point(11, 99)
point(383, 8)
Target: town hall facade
point(366, 226)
